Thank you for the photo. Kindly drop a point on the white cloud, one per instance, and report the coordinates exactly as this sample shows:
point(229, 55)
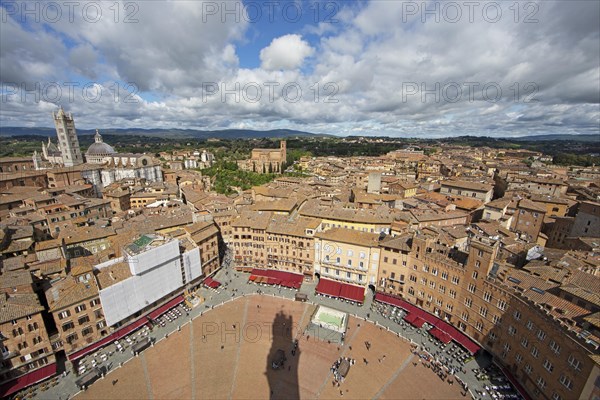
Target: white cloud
point(368, 57)
point(285, 52)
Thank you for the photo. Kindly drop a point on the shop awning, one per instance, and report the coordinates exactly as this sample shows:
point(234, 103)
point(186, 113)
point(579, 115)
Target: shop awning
point(275, 277)
point(329, 288)
point(352, 293)
point(458, 336)
point(211, 283)
point(165, 307)
point(28, 379)
point(440, 335)
point(414, 320)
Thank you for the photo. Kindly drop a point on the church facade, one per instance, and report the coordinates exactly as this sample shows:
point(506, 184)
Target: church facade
point(266, 161)
point(105, 164)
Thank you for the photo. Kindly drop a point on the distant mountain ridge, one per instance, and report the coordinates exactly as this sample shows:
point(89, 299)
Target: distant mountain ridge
point(256, 134)
point(167, 133)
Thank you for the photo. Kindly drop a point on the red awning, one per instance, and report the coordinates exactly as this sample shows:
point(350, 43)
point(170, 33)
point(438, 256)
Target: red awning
point(440, 335)
point(211, 283)
point(252, 278)
point(414, 320)
point(276, 277)
point(458, 336)
point(165, 307)
point(28, 379)
point(352, 293)
point(127, 329)
point(328, 287)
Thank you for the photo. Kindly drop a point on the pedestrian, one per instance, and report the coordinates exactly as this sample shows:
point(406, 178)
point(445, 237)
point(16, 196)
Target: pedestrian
point(114, 382)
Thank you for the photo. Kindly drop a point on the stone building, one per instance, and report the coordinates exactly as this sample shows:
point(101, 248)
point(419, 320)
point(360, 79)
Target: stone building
point(266, 161)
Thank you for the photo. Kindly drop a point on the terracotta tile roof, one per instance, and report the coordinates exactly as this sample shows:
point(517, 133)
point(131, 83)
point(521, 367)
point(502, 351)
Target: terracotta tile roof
point(112, 274)
point(402, 243)
point(18, 306)
point(475, 186)
point(15, 278)
point(351, 236)
point(253, 219)
point(69, 291)
point(283, 225)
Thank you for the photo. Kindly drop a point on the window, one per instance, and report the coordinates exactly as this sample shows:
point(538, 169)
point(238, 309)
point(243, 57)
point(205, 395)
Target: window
point(566, 382)
point(471, 288)
point(555, 347)
point(483, 311)
point(94, 302)
point(487, 296)
point(541, 383)
point(87, 331)
point(464, 316)
point(529, 325)
point(496, 319)
point(68, 326)
point(517, 315)
point(524, 342)
point(64, 314)
point(528, 369)
point(80, 308)
point(475, 275)
point(479, 326)
point(83, 320)
point(455, 280)
point(468, 302)
point(512, 330)
point(349, 263)
point(100, 325)
point(535, 352)
point(348, 275)
point(518, 358)
point(556, 396)
point(71, 338)
point(444, 275)
point(548, 365)
point(541, 334)
point(362, 254)
point(501, 305)
point(479, 253)
point(574, 363)
point(337, 260)
point(350, 253)
point(452, 294)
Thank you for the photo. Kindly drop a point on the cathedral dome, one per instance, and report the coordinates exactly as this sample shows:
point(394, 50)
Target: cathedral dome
point(99, 147)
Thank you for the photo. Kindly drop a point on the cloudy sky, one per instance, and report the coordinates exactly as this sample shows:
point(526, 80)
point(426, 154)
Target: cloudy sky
point(397, 68)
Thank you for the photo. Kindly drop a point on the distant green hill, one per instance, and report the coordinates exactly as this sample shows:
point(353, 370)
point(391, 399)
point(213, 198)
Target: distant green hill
point(167, 133)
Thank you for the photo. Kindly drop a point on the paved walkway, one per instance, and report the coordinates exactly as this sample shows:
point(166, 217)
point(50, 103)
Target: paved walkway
point(235, 285)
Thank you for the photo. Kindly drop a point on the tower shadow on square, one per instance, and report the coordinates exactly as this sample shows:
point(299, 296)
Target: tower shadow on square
point(283, 358)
